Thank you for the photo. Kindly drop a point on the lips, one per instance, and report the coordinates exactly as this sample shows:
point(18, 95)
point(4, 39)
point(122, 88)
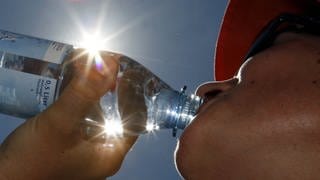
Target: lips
point(209, 96)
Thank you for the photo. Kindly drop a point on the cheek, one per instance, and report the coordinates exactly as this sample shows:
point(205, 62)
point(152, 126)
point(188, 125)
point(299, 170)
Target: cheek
point(216, 143)
point(208, 145)
point(192, 148)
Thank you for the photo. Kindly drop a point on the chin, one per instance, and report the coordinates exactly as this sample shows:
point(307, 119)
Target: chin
point(179, 160)
point(188, 156)
point(183, 158)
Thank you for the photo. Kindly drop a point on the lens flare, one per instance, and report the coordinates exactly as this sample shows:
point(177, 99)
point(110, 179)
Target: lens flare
point(150, 127)
point(98, 62)
point(113, 128)
point(93, 43)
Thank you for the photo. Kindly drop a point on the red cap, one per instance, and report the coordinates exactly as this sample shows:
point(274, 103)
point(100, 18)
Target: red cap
point(242, 23)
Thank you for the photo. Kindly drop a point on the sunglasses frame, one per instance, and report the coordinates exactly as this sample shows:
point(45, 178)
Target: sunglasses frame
point(284, 23)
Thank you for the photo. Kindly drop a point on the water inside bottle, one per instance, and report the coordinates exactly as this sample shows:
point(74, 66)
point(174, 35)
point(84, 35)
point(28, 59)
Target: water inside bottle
point(136, 89)
point(143, 102)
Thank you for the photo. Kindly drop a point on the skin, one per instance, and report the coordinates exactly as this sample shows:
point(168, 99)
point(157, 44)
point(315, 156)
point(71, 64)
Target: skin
point(262, 124)
point(52, 144)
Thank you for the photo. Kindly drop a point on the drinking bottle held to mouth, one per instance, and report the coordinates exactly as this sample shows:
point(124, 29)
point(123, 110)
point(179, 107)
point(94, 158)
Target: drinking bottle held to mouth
point(33, 74)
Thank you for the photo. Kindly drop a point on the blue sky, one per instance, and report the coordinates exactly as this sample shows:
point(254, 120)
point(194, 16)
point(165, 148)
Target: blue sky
point(173, 38)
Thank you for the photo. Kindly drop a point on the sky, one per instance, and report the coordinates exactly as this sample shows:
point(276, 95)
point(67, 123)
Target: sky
point(175, 39)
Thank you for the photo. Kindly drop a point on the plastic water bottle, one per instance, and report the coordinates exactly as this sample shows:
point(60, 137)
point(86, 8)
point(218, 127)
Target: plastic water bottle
point(32, 74)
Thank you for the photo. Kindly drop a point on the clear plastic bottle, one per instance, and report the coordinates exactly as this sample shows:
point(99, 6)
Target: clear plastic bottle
point(32, 74)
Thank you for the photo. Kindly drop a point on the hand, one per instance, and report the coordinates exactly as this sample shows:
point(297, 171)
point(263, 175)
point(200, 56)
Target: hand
point(51, 146)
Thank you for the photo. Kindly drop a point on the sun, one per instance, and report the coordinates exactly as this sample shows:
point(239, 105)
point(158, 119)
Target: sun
point(93, 43)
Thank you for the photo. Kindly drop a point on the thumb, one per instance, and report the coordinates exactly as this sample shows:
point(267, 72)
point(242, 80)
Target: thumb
point(89, 82)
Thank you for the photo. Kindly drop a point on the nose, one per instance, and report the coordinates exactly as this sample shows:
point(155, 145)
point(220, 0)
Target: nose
point(211, 89)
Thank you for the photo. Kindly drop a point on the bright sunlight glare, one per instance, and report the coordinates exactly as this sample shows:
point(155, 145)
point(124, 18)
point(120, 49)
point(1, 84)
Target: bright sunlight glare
point(93, 43)
point(113, 128)
point(151, 127)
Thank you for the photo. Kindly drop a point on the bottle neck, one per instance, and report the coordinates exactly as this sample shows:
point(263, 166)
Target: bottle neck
point(173, 110)
point(188, 107)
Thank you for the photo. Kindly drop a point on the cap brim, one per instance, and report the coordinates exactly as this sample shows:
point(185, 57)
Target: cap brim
point(243, 21)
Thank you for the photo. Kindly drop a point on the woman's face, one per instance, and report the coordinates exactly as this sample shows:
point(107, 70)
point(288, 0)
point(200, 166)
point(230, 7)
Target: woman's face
point(262, 124)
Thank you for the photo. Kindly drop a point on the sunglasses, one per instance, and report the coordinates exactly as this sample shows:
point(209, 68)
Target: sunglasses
point(284, 23)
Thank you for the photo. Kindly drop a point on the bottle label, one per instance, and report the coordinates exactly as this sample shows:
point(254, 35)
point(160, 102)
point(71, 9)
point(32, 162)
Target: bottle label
point(23, 94)
point(29, 73)
point(32, 47)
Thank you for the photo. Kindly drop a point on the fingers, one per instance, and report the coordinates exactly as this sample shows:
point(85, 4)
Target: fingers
point(94, 74)
point(56, 148)
point(89, 82)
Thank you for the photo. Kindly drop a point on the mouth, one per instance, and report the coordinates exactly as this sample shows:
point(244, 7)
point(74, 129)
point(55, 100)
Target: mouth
point(208, 97)
point(206, 103)
point(201, 108)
